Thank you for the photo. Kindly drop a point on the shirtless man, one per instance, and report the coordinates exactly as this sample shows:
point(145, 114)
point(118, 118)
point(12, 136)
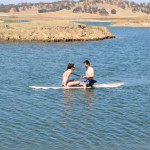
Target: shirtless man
point(65, 78)
point(89, 75)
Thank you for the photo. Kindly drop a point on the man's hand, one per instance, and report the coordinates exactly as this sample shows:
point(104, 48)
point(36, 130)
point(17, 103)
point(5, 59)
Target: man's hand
point(83, 77)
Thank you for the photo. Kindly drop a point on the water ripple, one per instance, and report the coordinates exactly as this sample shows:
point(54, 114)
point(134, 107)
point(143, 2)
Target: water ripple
point(107, 119)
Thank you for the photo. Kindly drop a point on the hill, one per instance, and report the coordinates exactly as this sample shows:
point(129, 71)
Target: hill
point(110, 8)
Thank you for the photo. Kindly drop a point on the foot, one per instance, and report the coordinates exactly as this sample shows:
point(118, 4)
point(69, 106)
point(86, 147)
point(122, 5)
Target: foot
point(84, 85)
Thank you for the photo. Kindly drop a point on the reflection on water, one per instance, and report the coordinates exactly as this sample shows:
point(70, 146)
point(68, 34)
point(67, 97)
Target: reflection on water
point(86, 95)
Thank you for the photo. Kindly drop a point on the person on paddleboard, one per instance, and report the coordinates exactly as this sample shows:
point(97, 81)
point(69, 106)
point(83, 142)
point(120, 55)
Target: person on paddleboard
point(65, 78)
point(89, 75)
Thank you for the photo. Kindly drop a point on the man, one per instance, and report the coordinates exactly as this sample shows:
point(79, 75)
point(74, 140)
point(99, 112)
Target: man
point(89, 75)
point(65, 78)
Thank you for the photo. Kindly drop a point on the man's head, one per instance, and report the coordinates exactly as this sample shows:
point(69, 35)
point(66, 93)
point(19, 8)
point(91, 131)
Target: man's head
point(71, 66)
point(86, 63)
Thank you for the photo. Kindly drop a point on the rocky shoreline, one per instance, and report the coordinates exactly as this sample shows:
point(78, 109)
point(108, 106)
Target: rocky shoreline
point(52, 32)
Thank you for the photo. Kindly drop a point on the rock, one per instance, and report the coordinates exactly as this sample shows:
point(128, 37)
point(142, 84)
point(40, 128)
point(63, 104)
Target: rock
point(82, 26)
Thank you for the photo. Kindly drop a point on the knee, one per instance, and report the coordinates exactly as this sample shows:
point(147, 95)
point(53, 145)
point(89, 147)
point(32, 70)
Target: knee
point(78, 82)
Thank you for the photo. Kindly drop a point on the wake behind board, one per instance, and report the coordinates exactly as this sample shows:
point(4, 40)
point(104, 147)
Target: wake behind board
point(109, 85)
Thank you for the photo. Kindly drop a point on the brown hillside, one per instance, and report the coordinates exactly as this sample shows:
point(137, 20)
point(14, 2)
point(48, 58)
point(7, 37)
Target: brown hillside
point(83, 8)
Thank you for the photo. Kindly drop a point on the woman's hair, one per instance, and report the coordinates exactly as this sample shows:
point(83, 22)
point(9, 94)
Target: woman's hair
point(70, 66)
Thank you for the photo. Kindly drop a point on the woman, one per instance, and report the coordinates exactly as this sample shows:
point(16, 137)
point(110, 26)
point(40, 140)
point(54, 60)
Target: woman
point(65, 78)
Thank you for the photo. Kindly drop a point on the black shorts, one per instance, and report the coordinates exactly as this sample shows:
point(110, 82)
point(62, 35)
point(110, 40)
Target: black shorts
point(89, 82)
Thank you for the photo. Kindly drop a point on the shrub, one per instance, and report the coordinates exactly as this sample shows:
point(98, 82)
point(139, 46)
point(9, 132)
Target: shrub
point(103, 12)
point(77, 9)
point(122, 5)
point(113, 11)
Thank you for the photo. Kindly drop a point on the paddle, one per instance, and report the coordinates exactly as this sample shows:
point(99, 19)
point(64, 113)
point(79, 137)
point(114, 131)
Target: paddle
point(76, 74)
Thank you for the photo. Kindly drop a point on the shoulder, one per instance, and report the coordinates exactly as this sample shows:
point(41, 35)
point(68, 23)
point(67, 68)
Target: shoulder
point(68, 71)
point(91, 68)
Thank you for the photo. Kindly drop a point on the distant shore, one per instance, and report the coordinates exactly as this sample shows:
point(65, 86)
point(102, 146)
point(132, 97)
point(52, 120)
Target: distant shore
point(131, 24)
point(51, 31)
point(134, 20)
point(47, 28)
point(123, 22)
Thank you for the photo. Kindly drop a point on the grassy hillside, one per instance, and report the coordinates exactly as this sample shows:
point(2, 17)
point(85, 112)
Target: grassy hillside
point(97, 7)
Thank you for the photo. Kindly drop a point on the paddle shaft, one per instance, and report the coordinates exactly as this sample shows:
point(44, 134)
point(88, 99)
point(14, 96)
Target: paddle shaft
point(76, 74)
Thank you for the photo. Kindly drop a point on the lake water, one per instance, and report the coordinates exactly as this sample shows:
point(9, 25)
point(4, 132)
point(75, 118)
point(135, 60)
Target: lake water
point(99, 119)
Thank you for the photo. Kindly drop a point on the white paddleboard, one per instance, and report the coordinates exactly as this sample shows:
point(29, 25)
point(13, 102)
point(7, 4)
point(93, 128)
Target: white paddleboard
point(109, 85)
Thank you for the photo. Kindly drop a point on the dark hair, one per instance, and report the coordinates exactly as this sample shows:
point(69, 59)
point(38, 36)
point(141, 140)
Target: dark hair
point(70, 66)
point(86, 62)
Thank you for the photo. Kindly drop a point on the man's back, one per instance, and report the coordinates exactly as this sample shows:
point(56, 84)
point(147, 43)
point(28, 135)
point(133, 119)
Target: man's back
point(66, 76)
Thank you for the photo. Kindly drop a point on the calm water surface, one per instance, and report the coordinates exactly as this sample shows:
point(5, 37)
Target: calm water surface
point(99, 119)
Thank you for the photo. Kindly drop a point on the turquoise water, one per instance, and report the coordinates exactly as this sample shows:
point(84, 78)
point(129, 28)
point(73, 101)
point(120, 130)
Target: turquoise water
point(99, 119)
